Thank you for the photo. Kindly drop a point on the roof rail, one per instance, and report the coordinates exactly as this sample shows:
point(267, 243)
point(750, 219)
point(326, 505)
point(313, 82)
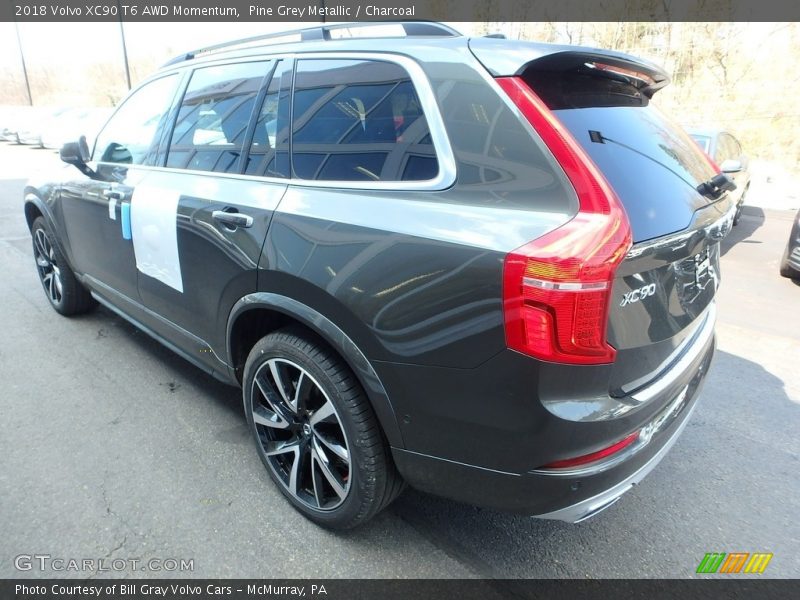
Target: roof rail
point(323, 32)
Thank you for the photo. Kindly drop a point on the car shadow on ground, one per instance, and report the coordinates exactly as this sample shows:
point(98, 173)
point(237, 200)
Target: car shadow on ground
point(752, 219)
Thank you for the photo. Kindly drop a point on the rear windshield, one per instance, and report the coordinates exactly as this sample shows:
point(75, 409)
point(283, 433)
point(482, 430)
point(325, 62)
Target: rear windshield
point(653, 165)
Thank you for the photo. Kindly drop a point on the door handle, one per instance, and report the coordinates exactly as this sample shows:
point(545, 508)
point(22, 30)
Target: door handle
point(232, 219)
point(113, 195)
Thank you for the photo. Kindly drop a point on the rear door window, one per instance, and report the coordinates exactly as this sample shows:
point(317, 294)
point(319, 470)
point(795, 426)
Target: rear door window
point(212, 123)
point(359, 120)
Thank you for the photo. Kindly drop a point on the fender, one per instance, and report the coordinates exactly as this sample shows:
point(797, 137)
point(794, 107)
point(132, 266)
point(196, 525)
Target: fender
point(32, 197)
point(337, 338)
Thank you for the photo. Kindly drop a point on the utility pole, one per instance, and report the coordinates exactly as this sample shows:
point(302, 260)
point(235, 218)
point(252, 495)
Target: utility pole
point(124, 47)
point(24, 67)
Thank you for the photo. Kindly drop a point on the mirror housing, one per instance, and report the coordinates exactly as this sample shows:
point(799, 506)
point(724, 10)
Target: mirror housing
point(731, 166)
point(77, 154)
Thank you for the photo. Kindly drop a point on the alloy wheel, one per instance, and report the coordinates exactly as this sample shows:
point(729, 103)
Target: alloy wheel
point(46, 264)
point(300, 434)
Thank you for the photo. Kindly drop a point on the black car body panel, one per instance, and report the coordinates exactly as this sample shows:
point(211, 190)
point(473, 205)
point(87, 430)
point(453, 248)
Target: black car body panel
point(790, 262)
point(403, 276)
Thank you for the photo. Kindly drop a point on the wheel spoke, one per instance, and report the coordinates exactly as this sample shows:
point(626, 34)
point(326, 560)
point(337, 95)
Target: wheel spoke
point(263, 416)
point(276, 414)
point(284, 447)
point(301, 392)
point(39, 240)
point(315, 479)
point(49, 281)
point(278, 378)
point(325, 412)
point(293, 473)
point(333, 445)
point(327, 470)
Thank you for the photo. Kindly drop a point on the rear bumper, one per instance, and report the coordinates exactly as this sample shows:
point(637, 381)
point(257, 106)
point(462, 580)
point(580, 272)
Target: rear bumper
point(589, 507)
point(566, 495)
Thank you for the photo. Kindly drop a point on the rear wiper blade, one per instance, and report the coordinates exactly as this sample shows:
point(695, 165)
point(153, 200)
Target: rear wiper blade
point(716, 186)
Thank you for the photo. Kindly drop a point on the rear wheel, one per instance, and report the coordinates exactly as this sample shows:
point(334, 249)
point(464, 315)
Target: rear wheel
point(315, 431)
point(65, 293)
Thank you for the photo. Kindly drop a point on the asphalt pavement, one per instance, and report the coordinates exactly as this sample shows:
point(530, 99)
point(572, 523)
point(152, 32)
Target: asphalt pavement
point(113, 447)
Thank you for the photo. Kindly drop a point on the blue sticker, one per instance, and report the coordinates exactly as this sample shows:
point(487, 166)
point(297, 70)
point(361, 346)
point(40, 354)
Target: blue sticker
point(125, 220)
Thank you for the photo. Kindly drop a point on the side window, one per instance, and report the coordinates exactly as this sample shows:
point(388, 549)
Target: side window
point(212, 122)
point(269, 150)
point(130, 136)
point(725, 148)
point(359, 120)
point(737, 148)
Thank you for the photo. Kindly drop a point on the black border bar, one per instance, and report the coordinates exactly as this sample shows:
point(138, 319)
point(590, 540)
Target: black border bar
point(405, 589)
point(314, 11)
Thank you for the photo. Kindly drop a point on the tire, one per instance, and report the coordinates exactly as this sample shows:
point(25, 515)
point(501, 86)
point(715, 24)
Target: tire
point(320, 440)
point(740, 207)
point(738, 216)
point(786, 269)
point(65, 293)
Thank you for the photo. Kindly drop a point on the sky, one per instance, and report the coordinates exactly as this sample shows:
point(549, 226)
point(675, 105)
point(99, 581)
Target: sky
point(68, 43)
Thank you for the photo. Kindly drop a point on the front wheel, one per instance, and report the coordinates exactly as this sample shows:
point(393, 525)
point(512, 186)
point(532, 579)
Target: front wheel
point(65, 293)
point(316, 432)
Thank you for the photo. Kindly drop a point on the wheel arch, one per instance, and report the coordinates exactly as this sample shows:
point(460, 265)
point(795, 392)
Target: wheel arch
point(34, 207)
point(272, 311)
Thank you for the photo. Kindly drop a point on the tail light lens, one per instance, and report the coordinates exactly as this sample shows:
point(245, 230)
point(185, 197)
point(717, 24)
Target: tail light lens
point(557, 288)
point(594, 456)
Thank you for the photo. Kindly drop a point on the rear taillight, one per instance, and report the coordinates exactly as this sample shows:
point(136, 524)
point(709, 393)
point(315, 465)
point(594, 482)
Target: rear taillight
point(557, 288)
point(594, 456)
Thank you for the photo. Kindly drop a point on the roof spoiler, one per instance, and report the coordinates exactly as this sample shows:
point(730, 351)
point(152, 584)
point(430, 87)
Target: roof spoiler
point(504, 58)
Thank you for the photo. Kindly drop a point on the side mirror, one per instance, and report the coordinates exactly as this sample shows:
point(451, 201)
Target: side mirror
point(731, 166)
point(77, 155)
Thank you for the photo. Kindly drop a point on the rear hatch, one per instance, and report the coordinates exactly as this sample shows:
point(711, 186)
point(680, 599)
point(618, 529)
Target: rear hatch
point(664, 289)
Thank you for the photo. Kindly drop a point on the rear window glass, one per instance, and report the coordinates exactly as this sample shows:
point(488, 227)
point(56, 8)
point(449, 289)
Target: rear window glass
point(651, 162)
point(703, 141)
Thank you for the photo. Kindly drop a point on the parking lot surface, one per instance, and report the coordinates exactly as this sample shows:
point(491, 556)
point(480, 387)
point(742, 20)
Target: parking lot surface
point(114, 447)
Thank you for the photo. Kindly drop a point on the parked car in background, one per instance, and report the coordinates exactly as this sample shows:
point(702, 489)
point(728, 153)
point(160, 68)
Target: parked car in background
point(34, 122)
point(727, 153)
point(75, 122)
point(12, 117)
point(790, 263)
point(480, 267)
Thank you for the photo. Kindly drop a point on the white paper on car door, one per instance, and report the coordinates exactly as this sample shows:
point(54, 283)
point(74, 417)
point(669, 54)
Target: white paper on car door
point(154, 229)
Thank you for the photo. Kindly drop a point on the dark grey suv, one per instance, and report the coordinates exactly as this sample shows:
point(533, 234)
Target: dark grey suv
point(481, 267)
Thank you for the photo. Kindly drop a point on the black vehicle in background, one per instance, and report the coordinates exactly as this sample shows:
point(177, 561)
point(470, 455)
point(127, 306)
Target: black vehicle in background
point(726, 151)
point(481, 267)
point(790, 263)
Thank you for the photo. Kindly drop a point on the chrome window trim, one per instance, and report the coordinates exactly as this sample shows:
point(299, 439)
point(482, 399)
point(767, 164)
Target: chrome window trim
point(441, 142)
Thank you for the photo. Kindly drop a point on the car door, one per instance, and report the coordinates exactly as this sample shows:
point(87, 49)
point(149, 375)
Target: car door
point(215, 208)
point(95, 209)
